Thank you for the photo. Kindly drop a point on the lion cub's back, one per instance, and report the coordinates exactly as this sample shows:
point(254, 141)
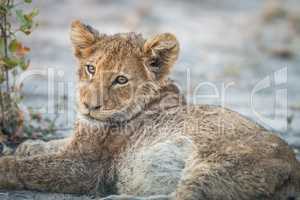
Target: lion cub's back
point(218, 121)
point(216, 130)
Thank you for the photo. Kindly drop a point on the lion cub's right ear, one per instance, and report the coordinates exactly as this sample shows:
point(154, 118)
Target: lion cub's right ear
point(161, 53)
point(83, 37)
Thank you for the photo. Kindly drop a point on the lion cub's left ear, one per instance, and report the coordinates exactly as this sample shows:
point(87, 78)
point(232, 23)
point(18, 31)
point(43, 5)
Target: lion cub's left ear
point(161, 53)
point(83, 37)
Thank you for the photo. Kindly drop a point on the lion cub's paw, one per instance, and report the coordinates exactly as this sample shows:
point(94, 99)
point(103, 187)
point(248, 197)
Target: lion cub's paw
point(119, 197)
point(125, 197)
point(31, 147)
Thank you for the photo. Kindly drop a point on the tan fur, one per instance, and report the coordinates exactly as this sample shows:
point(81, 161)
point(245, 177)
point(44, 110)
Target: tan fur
point(139, 140)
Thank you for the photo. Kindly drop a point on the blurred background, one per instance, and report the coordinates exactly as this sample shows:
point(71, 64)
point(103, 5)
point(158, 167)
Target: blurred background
point(231, 50)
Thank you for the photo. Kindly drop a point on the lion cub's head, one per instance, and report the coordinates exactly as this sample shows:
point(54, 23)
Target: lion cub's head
point(120, 74)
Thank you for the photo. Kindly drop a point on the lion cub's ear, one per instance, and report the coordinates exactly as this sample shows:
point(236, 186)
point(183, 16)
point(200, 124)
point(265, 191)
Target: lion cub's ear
point(83, 37)
point(161, 53)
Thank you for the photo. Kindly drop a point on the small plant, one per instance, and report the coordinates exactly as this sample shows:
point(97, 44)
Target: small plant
point(14, 21)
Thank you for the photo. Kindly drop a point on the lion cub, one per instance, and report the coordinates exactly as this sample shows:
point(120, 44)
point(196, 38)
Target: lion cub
point(135, 137)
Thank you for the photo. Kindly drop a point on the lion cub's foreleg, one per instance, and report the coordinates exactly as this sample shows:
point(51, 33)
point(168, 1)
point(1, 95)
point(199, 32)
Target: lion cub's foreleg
point(61, 172)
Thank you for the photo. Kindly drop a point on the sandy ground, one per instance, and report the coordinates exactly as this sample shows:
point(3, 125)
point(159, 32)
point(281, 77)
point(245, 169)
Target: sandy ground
point(224, 44)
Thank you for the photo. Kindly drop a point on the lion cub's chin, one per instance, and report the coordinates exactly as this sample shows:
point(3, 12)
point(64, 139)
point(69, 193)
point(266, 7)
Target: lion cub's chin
point(112, 116)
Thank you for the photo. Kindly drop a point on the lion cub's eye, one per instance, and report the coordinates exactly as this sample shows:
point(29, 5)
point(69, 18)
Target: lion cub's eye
point(90, 69)
point(120, 80)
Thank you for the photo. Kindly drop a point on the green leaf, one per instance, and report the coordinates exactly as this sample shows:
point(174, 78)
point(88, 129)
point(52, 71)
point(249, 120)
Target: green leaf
point(24, 64)
point(10, 62)
point(3, 9)
point(2, 79)
point(25, 21)
point(28, 1)
point(34, 12)
point(2, 46)
point(26, 31)
point(13, 45)
point(20, 17)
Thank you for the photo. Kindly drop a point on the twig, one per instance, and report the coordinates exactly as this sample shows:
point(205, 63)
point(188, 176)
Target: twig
point(2, 108)
point(2, 72)
point(5, 47)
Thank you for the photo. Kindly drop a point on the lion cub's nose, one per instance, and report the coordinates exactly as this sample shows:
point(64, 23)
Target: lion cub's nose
point(92, 107)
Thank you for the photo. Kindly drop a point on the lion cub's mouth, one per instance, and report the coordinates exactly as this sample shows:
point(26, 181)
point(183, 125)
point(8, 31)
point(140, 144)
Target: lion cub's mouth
point(102, 115)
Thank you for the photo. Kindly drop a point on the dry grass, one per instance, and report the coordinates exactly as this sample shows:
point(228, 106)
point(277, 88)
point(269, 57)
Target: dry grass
point(273, 9)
